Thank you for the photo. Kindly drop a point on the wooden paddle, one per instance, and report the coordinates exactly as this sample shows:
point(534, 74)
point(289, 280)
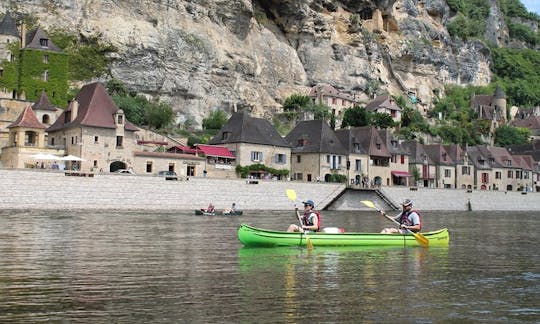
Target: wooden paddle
point(292, 196)
point(424, 241)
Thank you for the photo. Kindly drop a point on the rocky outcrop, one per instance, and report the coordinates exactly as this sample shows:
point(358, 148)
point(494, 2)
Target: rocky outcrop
point(236, 54)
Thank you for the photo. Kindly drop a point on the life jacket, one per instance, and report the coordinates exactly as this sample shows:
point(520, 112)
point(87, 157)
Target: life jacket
point(307, 221)
point(404, 219)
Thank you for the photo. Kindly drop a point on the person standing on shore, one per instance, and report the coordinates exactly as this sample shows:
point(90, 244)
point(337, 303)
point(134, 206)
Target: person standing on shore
point(311, 221)
point(408, 219)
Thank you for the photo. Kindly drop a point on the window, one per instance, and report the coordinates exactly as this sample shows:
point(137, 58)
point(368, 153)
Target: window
point(334, 101)
point(45, 76)
point(328, 159)
point(510, 174)
point(298, 176)
point(508, 162)
point(298, 159)
point(525, 174)
point(466, 170)
point(45, 59)
point(171, 167)
point(444, 156)
point(95, 164)
point(378, 145)
point(394, 158)
point(358, 165)
point(301, 142)
point(120, 119)
point(225, 135)
point(149, 167)
point(119, 141)
point(280, 159)
point(96, 139)
point(356, 147)
point(256, 156)
point(44, 42)
point(498, 175)
point(485, 177)
point(447, 173)
point(402, 159)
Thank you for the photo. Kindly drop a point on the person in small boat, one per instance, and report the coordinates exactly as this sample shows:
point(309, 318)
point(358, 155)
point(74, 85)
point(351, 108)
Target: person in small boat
point(408, 219)
point(210, 208)
point(231, 210)
point(311, 220)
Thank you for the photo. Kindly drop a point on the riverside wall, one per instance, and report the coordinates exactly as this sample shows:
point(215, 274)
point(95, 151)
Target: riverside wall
point(43, 189)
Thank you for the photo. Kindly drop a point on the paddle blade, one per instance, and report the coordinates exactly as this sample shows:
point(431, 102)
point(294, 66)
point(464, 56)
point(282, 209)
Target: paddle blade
point(291, 194)
point(424, 241)
point(308, 243)
point(368, 204)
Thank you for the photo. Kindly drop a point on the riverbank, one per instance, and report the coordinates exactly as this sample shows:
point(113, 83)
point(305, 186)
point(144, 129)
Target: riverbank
point(36, 189)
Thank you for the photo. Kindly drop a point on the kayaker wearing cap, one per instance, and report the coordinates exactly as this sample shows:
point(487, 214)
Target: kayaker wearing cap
point(311, 221)
point(408, 219)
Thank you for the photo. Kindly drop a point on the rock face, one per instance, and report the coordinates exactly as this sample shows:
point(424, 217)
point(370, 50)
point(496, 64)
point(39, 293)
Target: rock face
point(202, 55)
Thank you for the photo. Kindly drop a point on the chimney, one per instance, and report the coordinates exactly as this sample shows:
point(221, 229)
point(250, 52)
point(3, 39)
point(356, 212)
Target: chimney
point(23, 35)
point(74, 109)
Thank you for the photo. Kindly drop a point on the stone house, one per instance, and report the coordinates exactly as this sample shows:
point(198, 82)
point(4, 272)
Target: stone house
point(491, 108)
point(507, 172)
point(445, 172)
point(421, 166)
point(378, 165)
point(325, 94)
point(385, 104)
point(252, 141)
point(26, 140)
point(317, 154)
point(482, 169)
point(399, 162)
point(464, 168)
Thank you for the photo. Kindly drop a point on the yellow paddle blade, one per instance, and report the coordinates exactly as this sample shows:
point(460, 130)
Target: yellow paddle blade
point(368, 203)
point(291, 194)
point(421, 239)
point(308, 243)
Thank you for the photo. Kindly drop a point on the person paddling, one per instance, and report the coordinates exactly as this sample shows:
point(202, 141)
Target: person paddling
point(311, 221)
point(408, 219)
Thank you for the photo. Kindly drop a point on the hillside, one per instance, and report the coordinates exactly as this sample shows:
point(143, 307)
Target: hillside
point(201, 56)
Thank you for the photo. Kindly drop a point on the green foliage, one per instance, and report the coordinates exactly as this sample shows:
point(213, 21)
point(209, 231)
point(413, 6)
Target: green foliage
point(159, 115)
point(518, 71)
point(320, 111)
point(522, 32)
point(514, 8)
point(382, 120)
point(134, 107)
point(215, 121)
point(355, 116)
point(471, 18)
point(337, 178)
point(88, 56)
point(509, 135)
point(296, 102)
point(243, 171)
point(32, 67)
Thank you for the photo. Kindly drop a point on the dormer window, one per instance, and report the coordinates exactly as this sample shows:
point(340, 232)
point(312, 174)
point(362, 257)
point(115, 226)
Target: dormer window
point(225, 135)
point(394, 144)
point(508, 162)
point(44, 42)
point(120, 119)
point(378, 146)
point(444, 156)
point(301, 142)
point(356, 147)
point(491, 160)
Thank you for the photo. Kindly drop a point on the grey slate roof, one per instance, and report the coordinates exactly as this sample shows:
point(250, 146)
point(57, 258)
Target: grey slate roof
point(367, 137)
point(438, 154)
point(417, 154)
point(242, 128)
point(317, 137)
point(8, 26)
point(33, 41)
point(389, 139)
point(43, 103)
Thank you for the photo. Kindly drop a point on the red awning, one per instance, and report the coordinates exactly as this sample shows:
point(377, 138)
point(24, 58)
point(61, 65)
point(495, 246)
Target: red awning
point(403, 174)
point(218, 151)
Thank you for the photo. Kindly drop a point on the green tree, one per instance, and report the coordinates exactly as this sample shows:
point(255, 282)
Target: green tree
point(159, 115)
point(215, 121)
point(509, 135)
point(355, 116)
point(382, 120)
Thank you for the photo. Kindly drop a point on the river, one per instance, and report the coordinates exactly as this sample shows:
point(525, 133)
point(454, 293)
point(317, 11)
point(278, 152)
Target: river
point(143, 267)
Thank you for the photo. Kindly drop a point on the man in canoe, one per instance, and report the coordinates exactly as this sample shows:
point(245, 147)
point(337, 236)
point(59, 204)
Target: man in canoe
point(311, 220)
point(408, 219)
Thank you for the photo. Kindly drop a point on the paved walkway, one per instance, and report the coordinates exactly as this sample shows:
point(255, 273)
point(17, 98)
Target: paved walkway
point(36, 189)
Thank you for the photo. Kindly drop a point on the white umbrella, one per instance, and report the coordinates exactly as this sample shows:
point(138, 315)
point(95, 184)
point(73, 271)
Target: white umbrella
point(71, 158)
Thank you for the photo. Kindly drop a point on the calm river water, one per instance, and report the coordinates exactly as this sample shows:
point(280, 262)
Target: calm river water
point(143, 267)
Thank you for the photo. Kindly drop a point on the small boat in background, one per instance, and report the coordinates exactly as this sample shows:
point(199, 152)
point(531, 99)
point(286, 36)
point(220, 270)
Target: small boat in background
point(203, 212)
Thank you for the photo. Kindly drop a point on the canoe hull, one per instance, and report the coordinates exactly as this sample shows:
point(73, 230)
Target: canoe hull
point(255, 237)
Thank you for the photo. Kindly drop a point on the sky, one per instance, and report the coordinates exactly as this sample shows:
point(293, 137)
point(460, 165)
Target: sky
point(532, 5)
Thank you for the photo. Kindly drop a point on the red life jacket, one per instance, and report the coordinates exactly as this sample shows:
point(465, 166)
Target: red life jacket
point(306, 221)
point(404, 219)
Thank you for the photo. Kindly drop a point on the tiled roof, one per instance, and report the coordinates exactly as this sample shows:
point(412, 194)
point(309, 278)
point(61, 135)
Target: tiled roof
point(316, 137)
point(8, 26)
point(531, 122)
point(33, 41)
point(367, 138)
point(384, 101)
point(96, 109)
point(438, 154)
point(479, 160)
point(27, 119)
point(417, 154)
point(242, 128)
point(43, 103)
point(388, 138)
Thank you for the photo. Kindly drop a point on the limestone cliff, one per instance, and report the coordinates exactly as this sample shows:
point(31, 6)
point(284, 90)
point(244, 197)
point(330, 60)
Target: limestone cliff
point(200, 55)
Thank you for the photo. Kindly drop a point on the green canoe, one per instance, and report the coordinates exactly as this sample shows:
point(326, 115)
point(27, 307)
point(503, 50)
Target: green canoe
point(256, 237)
